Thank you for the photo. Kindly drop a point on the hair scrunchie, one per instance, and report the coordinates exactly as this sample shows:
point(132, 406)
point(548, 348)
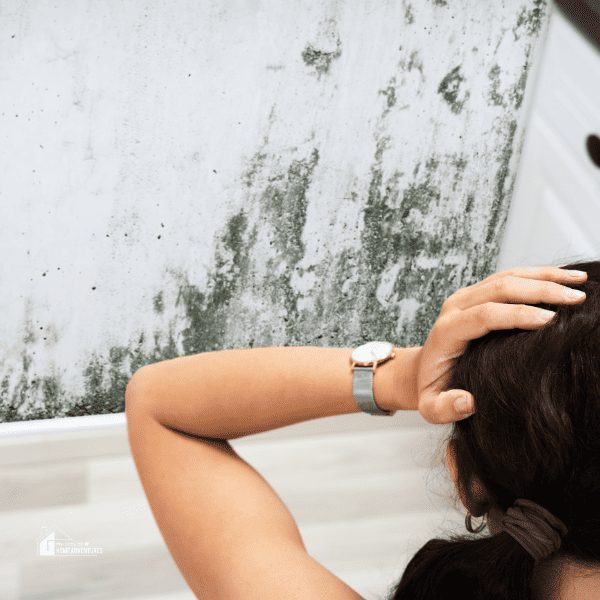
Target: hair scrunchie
point(535, 528)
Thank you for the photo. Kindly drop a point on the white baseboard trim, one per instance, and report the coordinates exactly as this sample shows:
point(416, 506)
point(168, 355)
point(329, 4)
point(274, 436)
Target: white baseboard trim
point(79, 438)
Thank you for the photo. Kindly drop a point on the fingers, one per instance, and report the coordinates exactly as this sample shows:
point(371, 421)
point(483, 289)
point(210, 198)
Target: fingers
point(540, 273)
point(442, 408)
point(477, 321)
point(550, 287)
point(544, 273)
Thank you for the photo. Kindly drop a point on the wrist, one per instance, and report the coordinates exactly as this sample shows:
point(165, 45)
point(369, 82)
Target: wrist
point(395, 381)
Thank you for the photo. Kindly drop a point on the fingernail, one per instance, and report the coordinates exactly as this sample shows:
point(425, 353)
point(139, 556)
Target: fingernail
point(576, 273)
point(464, 407)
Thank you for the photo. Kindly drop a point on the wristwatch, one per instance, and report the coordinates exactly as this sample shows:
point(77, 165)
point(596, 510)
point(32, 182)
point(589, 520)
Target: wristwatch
point(364, 362)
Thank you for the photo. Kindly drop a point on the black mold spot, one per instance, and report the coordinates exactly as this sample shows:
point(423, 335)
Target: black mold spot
point(257, 162)
point(414, 62)
point(461, 165)
point(531, 19)
point(390, 94)
point(158, 304)
point(469, 206)
point(518, 92)
point(207, 313)
point(104, 382)
point(494, 77)
point(319, 59)
point(286, 208)
point(449, 88)
point(500, 192)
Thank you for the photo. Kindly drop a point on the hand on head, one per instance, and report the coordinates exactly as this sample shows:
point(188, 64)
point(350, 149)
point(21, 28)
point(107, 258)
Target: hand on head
point(500, 301)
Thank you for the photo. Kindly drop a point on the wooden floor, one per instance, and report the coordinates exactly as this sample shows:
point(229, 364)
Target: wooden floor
point(365, 501)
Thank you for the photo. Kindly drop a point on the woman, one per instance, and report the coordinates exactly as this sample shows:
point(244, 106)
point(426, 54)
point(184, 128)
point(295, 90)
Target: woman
point(532, 437)
point(535, 435)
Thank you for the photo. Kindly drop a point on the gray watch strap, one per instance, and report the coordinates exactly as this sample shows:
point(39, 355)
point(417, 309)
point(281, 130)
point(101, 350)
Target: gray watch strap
point(362, 388)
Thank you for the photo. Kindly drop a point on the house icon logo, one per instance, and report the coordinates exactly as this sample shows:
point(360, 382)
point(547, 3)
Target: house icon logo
point(46, 542)
point(55, 542)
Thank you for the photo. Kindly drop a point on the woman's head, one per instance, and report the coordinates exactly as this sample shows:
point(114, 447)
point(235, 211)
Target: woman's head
point(535, 435)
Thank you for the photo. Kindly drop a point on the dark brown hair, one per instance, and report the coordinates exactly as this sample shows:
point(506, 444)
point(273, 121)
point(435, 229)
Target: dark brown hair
point(535, 435)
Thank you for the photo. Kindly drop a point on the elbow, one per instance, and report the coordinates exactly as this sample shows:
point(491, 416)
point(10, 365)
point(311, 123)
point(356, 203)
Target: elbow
point(136, 391)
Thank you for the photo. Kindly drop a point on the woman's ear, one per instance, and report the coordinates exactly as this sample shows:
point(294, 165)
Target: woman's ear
point(477, 508)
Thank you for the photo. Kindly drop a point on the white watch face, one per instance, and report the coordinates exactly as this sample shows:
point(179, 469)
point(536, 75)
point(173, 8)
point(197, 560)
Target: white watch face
point(372, 351)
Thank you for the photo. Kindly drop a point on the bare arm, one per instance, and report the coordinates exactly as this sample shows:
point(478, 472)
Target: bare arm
point(228, 394)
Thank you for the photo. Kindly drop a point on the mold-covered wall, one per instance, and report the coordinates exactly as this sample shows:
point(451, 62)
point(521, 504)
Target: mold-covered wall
point(182, 176)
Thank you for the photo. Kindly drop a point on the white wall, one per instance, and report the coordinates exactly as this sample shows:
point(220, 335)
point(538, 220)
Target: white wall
point(183, 176)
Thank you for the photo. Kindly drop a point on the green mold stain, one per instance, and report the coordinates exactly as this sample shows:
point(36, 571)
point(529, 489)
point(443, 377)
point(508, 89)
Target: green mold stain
point(286, 208)
point(105, 381)
point(283, 203)
point(394, 234)
point(207, 313)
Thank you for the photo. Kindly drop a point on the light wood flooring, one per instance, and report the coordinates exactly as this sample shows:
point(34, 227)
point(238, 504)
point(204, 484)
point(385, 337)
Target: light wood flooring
point(360, 488)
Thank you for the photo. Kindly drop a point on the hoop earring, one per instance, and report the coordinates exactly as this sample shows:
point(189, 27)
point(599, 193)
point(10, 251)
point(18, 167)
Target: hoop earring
point(469, 525)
